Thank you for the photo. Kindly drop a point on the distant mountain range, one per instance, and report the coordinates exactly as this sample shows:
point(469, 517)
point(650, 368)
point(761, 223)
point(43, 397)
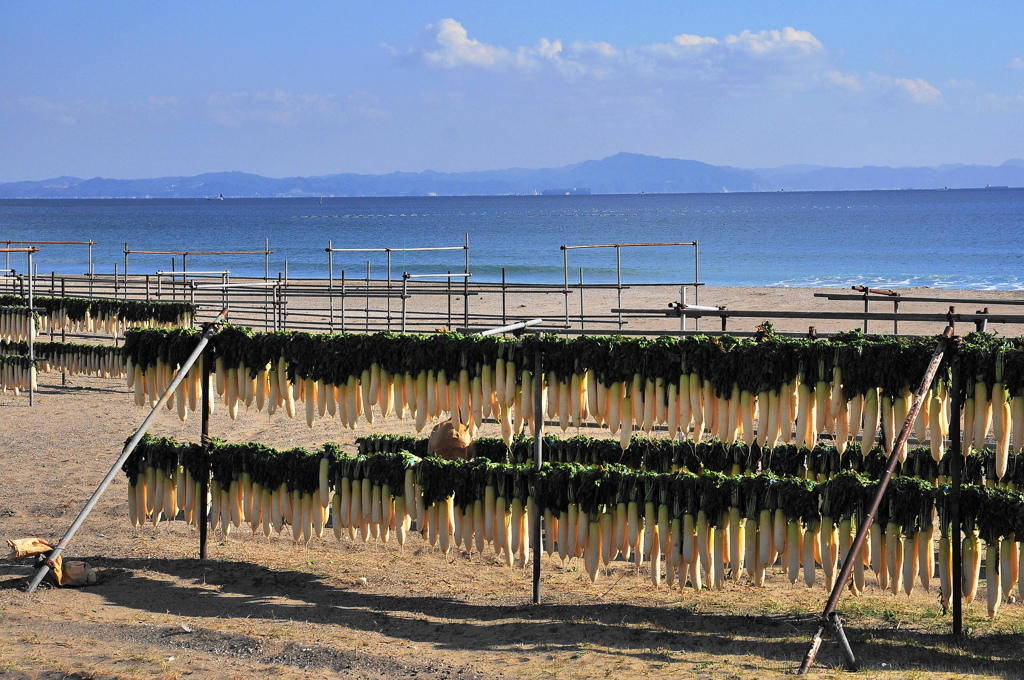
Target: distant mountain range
point(623, 173)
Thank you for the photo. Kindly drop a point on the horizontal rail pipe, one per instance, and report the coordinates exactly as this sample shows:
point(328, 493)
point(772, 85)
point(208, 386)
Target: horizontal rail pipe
point(181, 273)
point(52, 243)
point(627, 245)
point(391, 250)
point(198, 252)
point(876, 316)
point(880, 298)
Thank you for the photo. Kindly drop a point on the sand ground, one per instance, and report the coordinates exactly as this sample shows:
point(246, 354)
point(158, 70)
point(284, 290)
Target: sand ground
point(270, 608)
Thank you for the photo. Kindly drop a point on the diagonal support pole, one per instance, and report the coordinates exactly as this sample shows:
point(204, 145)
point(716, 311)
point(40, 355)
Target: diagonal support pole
point(829, 619)
point(208, 333)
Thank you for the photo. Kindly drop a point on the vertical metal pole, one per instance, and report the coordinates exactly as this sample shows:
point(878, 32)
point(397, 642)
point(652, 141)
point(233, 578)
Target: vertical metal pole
point(896, 322)
point(115, 279)
point(448, 288)
point(90, 268)
point(64, 339)
point(538, 454)
point(682, 301)
point(696, 281)
point(696, 275)
point(618, 281)
point(204, 477)
point(866, 306)
point(147, 287)
point(504, 322)
point(125, 266)
point(330, 281)
point(277, 303)
point(342, 300)
point(367, 295)
point(465, 287)
point(31, 333)
point(405, 285)
point(388, 284)
point(266, 279)
point(583, 320)
point(565, 284)
point(956, 471)
point(52, 294)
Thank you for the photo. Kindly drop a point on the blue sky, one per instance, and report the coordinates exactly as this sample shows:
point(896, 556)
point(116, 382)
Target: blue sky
point(144, 89)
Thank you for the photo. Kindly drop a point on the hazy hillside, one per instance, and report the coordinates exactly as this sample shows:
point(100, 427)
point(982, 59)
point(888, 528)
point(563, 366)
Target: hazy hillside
point(623, 173)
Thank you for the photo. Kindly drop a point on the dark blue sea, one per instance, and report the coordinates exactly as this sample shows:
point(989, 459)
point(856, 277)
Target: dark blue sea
point(954, 239)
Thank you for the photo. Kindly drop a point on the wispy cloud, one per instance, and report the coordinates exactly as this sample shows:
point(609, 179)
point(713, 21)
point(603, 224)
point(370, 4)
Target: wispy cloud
point(270, 106)
point(231, 109)
point(1015, 63)
point(64, 113)
point(917, 89)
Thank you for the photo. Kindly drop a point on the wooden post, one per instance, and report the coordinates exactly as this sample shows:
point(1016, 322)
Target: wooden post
point(956, 403)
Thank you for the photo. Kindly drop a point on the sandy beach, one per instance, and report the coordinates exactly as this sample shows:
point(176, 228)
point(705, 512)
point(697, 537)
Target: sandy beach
point(271, 608)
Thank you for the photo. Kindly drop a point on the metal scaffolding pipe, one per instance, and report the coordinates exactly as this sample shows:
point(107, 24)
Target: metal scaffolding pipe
point(829, 618)
point(211, 328)
point(505, 329)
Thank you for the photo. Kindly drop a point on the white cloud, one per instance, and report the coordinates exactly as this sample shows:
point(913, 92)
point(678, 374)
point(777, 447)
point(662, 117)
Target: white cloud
point(765, 42)
point(1015, 63)
point(787, 59)
point(686, 40)
point(745, 56)
point(847, 81)
point(917, 89)
point(456, 48)
point(288, 109)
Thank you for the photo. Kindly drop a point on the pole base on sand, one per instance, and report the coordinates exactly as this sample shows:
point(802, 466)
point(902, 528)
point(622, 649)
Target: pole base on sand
point(833, 625)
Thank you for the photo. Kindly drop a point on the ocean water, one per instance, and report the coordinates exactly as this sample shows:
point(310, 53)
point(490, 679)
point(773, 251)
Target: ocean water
point(954, 239)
